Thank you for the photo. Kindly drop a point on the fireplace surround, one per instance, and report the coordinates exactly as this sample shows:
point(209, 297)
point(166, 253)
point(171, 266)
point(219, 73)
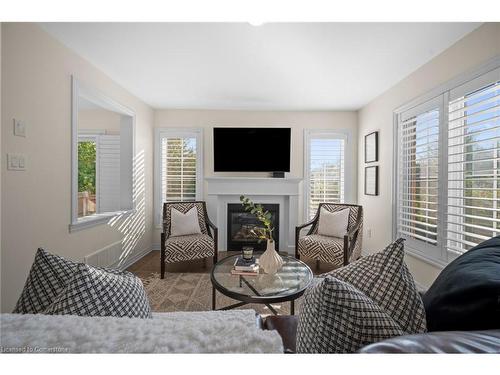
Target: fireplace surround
point(221, 191)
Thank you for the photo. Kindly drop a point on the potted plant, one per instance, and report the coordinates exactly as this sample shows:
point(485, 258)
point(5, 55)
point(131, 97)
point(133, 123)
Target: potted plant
point(270, 261)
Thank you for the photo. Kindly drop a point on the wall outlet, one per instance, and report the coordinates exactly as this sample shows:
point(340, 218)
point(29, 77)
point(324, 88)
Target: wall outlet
point(19, 128)
point(16, 162)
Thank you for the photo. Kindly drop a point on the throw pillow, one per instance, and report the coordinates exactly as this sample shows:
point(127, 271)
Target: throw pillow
point(333, 224)
point(184, 224)
point(48, 276)
point(336, 317)
point(466, 294)
point(102, 292)
point(385, 278)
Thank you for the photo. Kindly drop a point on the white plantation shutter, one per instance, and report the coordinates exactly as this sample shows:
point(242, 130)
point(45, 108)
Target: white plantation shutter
point(179, 169)
point(108, 189)
point(473, 163)
point(326, 170)
point(418, 169)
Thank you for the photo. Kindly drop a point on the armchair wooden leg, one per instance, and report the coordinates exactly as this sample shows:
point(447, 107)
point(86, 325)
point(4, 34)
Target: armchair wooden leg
point(162, 256)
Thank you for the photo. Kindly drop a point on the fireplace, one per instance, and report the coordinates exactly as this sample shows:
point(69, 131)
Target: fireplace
point(240, 223)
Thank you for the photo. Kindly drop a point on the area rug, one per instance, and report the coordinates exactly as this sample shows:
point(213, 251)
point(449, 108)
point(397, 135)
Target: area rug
point(193, 292)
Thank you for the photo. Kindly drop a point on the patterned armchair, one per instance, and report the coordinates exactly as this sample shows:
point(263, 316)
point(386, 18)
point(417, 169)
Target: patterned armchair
point(190, 247)
point(337, 251)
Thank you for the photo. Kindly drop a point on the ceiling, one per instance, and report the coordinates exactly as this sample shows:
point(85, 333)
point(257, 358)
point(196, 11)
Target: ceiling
point(275, 66)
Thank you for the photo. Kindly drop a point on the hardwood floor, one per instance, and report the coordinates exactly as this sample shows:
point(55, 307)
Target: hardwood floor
point(151, 264)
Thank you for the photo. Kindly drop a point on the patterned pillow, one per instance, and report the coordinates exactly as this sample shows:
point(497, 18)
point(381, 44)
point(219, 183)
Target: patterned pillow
point(385, 278)
point(48, 276)
point(335, 317)
point(102, 292)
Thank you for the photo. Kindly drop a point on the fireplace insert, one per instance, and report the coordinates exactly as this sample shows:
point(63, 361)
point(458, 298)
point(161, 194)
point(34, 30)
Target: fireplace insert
point(240, 224)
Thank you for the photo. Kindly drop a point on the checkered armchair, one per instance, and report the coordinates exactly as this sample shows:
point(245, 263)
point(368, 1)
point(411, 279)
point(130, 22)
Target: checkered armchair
point(190, 247)
point(337, 251)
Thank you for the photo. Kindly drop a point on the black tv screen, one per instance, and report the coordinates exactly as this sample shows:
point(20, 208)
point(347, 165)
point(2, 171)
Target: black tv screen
point(252, 149)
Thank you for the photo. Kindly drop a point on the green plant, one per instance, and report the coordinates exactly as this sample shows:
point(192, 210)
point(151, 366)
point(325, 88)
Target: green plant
point(265, 233)
point(86, 166)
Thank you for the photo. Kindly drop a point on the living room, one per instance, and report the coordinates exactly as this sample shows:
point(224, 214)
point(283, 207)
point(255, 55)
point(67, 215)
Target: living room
point(250, 187)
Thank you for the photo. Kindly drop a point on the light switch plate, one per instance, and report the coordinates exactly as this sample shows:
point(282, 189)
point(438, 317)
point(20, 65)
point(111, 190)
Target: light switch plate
point(16, 162)
point(19, 128)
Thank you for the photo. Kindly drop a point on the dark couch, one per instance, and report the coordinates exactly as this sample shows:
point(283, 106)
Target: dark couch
point(462, 308)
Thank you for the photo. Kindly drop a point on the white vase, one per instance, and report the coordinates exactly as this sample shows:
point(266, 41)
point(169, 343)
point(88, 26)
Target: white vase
point(270, 261)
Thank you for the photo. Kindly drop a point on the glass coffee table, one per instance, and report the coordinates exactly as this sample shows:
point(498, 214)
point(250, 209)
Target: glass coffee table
point(288, 284)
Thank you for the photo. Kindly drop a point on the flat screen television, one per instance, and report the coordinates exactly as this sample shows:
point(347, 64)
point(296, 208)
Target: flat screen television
point(252, 149)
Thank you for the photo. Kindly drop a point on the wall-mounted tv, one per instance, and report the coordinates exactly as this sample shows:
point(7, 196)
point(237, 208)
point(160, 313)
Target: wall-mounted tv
point(252, 149)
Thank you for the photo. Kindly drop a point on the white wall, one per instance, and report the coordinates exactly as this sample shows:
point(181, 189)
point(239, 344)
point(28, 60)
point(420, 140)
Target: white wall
point(474, 49)
point(298, 121)
point(36, 87)
point(99, 119)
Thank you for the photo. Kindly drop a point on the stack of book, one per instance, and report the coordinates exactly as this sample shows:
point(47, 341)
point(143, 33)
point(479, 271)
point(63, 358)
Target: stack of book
point(246, 268)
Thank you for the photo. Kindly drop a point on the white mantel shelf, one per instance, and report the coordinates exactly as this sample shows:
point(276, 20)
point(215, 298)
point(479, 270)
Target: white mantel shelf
point(284, 191)
point(253, 186)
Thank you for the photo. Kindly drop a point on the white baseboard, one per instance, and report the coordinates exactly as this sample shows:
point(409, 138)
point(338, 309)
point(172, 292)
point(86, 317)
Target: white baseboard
point(156, 246)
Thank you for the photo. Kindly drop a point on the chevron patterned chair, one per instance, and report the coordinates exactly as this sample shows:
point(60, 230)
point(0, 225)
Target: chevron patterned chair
point(189, 247)
point(334, 250)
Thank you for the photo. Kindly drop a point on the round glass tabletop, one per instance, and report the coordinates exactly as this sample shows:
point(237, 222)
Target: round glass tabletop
point(287, 284)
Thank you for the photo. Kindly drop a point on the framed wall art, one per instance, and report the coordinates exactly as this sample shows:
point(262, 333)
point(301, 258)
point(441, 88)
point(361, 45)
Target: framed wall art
point(371, 147)
point(371, 180)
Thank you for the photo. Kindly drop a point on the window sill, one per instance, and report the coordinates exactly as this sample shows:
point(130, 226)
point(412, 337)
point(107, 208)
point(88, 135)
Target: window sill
point(95, 220)
point(438, 263)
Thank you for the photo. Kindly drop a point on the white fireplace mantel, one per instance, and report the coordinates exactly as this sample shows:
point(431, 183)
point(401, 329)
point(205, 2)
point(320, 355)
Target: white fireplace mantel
point(283, 191)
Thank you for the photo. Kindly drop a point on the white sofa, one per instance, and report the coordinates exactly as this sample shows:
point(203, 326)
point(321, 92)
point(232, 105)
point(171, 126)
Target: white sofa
point(234, 331)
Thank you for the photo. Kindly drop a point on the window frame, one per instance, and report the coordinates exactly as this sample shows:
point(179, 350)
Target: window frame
point(344, 134)
point(438, 255)
point(164, 132)
point(78, 89)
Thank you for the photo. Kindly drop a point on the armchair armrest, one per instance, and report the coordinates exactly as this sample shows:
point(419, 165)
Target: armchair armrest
point(211, 225)
point(297, 234)
point(353, 230)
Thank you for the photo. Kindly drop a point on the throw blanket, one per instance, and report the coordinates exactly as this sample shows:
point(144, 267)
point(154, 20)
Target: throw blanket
point(180, 332)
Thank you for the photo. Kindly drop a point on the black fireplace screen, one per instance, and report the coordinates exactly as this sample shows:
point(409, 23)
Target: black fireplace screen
point(240, 224)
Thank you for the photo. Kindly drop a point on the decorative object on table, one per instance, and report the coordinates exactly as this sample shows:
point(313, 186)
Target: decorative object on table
point(245, 267)
point(270, 261)
point(338, 251)
point(247, 252)
point(371, 180)
point(371, 147)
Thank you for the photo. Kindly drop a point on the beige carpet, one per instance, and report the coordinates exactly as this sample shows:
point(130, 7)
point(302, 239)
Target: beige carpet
point(193, 292)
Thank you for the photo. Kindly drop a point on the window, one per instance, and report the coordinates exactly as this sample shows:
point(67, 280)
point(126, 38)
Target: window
point(448, 170)
point(473, 166)
point(179, 167)
point(102, 158)
point(325, 169)
point(418, 136)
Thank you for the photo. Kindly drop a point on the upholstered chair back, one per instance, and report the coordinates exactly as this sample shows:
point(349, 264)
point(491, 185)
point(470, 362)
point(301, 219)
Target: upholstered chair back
point(354, 211)
point(184, 207)
point(334, 207)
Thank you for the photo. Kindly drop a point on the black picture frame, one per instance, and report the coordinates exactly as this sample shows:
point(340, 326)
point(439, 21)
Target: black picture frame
point(371, 139)
point(372, 188)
